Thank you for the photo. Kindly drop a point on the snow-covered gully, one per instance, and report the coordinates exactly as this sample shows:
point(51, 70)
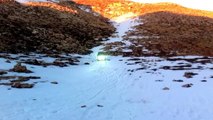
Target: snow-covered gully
point(105, 90)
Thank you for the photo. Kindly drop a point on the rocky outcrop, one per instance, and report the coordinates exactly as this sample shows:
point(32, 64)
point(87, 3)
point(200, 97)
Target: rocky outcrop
point(20, 69)
point(44, 27)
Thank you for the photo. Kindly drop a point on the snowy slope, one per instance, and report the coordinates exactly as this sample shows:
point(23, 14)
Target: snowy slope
point(105, 90)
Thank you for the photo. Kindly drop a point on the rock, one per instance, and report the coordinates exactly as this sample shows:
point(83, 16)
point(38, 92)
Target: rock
point(54, 82)
point(137, 51)
point(166, 67)
point(22, 85)
point(59, 63)
point(83, 106)
point(187, 85)
point(3, 72)
point(203, 80)
point(23, 78)
point(8, 61)
point(7, 77)
point(189, 74)
point(100, 106)
point(177, 80)
point(86, 63)
point(33, 62)
point(166, 88)
point(6, 84)
point(158, 80)
point(20, 68)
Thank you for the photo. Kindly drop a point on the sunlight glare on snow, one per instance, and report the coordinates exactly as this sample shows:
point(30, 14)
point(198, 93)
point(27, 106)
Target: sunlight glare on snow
point(124, 17)
point(196, 4)
point(101, 57)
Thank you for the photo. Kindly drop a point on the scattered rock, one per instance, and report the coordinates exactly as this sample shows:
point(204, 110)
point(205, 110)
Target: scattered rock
point(166, 88)
point(22, 85)
point(20, 68)
point(7, 77)
point(33, 62)
point(158, 80)
point(178, 81)
point(3, 72)
point(86, 63)
point(6, 84)
point(59, 63)
point(187, 85)
point(8, 61)
point(142, 68)
point(54, 82)
point(203, 80)
point(100, 106)
point(180, 67)
point(83, 106)
point(189, 74)
point(23, 78)
point(134, 59)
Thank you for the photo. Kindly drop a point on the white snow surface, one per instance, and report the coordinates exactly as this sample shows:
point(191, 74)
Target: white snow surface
point(109, 92)
point(196, 4)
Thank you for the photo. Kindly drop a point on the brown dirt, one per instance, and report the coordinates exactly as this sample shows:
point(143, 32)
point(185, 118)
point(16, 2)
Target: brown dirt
point(49, 28)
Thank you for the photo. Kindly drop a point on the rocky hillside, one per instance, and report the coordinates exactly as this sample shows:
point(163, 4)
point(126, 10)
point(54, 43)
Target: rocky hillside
point(171, 34)
point(166, 29)
point(45, 27)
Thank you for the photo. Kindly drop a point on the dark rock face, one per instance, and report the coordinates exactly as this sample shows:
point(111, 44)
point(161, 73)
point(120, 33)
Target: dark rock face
point(44, 27)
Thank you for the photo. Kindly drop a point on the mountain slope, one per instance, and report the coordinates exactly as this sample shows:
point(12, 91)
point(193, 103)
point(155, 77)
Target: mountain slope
point(50, 27)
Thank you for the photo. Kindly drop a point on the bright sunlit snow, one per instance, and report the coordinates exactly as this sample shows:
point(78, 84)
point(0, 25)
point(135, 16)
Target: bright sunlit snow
point(196, 4)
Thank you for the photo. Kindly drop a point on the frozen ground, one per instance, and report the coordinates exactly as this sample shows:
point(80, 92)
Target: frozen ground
point(109, 90)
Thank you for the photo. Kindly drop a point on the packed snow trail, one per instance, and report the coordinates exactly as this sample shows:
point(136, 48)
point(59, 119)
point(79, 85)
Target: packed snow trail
point(104, 90)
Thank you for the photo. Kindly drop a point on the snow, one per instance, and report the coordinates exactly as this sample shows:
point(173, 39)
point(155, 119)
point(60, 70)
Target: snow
point(108, 92)
point(196, 4)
